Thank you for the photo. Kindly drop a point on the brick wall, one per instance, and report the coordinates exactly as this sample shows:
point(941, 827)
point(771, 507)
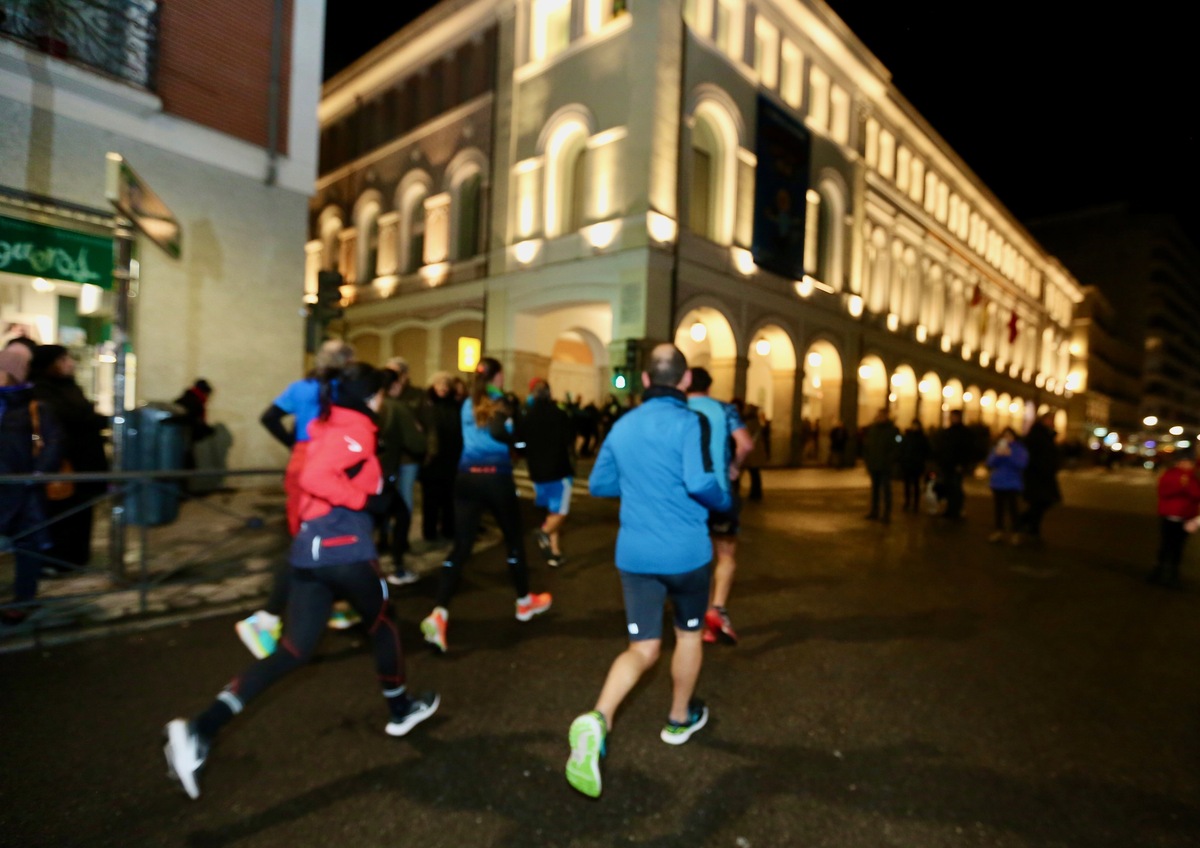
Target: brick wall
point(215, 65)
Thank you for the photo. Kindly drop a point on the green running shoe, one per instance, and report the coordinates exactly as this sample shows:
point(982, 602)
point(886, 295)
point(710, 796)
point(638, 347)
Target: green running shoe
point(587, 737)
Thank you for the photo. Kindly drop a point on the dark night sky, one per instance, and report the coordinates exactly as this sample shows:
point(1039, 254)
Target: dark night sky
point(1053, 112)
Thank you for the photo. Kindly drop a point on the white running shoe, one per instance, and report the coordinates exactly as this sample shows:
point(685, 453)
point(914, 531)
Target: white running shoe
point(420, 707)
point(185, 752)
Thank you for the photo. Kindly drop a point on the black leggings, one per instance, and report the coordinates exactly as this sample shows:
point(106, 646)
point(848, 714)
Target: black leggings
point(313, 591)
point(473, 493)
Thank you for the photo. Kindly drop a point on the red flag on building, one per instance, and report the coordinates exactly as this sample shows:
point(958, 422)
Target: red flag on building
point(977, 296)
point(1012, 327)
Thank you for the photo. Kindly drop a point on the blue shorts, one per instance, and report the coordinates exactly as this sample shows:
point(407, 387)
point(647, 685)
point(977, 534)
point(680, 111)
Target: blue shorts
point(646, 593)
point(555, 496)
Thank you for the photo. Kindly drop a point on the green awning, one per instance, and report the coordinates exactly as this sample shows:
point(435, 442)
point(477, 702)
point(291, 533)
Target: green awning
point(39, 250)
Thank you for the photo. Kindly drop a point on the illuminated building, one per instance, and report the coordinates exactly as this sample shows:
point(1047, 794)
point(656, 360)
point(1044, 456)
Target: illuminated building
point(559, 177)
point(224, 135)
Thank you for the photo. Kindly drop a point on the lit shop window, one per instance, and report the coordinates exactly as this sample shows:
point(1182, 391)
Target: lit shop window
point(551, 31)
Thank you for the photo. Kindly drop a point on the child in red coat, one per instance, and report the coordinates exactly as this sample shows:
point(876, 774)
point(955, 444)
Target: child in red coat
point(1178, 506)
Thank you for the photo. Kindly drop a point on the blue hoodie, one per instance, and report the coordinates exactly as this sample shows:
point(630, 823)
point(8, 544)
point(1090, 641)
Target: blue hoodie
point(1008, 470)
point(656, 460)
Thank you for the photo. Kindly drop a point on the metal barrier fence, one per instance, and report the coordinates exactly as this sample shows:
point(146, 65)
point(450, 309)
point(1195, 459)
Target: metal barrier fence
point(209, 541)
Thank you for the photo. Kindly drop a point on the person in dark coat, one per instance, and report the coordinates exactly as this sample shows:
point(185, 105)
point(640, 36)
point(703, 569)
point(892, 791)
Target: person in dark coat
point(54, 385)
point(838, 436)
point(914, 456)
point(549, 438)
point(1041, 475)
point(955, 454)
point(881, 449)
point(194, 401)
point(24, 449)
point(443, 428)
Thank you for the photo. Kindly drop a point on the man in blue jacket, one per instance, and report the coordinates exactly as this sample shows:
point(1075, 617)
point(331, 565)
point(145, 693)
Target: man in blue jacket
point(657, 461)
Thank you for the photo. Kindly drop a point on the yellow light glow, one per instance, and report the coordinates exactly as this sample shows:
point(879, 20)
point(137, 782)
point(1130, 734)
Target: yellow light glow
point(893, 321)
point(1176, 430)
point(434, 275)
point(966, 352)
point(814, 359)
point(699, 332)
point(743, 260)
point(945, 344)
point(661, 228)
point(854, 305)
point(762, 347)
point(1150, 420)
point(892, 397)
point(947, 391)
point(865, 372)
point(41, 284)
point(923, 387)
point(90, 298)
point(984, 358)
point(985, 401)
point(804, 287)
point(1039, 380)
point(469, 350)
point(922, 333)
point(1076, 349)
point(601, 235)
point(968, 397)
point(527, 251)
point(816, 381)
point(1013, 407)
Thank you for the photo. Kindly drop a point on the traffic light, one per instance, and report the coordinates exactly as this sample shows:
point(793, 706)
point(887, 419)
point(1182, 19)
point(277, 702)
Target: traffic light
point(326, 308)
point(620, 379)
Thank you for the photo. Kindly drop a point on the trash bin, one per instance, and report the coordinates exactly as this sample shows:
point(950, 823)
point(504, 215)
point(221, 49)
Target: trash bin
point(155, 440)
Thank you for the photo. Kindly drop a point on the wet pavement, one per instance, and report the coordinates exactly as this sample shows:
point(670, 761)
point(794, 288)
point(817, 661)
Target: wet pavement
point(908, 685)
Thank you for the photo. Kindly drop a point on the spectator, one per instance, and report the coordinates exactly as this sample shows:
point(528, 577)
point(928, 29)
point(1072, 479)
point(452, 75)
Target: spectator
point(838, 436)
point(402, 453)
point(24, 449)
point(443, 432)
point(759, 430)
point(955, 455)
point(194, 401)
point(1041, 475)
point(1178, 506)
point(914, 456)
point(54, 386)
point(881, 449)
point(1006, 461)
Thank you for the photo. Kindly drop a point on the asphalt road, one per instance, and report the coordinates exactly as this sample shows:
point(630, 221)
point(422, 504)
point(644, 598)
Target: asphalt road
point(901, 686)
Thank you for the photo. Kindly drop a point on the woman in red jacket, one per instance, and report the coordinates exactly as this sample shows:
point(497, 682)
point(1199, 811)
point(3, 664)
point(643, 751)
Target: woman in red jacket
point(1178, 506)
point(332, 557)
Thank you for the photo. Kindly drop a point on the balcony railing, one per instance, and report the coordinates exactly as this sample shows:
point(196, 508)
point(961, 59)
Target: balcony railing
point(118, 38)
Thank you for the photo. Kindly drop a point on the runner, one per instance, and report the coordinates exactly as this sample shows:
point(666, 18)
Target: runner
point(549, 439)
point(656, 460)
point(332, 556)
point(727, 429)
point(485, 481)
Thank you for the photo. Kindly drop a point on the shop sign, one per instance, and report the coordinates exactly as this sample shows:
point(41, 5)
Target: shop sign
point(39, 250)
point(134, 199)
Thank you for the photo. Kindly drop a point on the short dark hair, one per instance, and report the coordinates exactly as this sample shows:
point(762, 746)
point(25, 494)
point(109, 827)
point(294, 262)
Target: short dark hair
point(667, 366)
point(701, 380)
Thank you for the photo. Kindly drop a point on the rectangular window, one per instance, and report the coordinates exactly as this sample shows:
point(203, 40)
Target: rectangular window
point(903, 168)
point(698, 214)
point(887, 154)
point(812, 235)
point(918, 184)
point(766, 53)
point(818, 100)
point(943, 201)
point(600, 12)
point(871, 143)
point(728, 34)
point(791, 79)
point(551, 28)
point(839, 118)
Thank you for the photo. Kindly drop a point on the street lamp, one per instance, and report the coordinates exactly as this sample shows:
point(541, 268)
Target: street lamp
point(1150, 420)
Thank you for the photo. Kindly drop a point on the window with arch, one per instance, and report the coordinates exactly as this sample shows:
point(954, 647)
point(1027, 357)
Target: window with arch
point(330, 225)
point(467, 204)
point(412, 227)
point(367, 259)
point(566, 178)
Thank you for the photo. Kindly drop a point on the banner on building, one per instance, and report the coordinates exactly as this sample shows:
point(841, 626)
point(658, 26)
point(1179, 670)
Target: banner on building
point(40, 250)
point(780, 190)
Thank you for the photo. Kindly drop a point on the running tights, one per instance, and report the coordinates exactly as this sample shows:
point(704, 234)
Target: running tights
point(473, 493)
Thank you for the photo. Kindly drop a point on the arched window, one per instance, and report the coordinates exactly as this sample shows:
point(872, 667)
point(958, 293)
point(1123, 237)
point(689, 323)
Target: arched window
point(411, 242)
point(566, 178)
point(712, 198)
point(366, 222)
point(467, 204)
